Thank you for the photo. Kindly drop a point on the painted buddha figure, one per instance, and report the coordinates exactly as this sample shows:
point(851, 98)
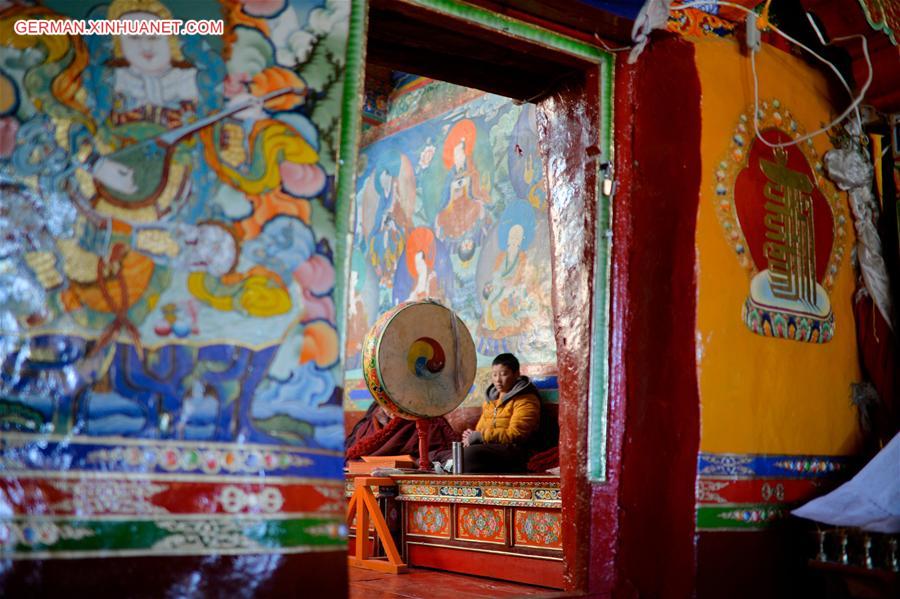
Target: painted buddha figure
point(503, 294)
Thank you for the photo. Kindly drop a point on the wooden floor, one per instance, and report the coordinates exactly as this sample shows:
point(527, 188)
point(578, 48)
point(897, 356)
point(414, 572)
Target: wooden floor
point(420, 583)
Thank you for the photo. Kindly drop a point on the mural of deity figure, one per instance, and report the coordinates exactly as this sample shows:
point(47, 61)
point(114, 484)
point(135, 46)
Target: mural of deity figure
point(524, 159)
point(169, 188)
point(152, 82)
point(420, 255)
point(425, 270)
point(387, 203)
point(507, 305)
point(464, 198)
point(117, 258)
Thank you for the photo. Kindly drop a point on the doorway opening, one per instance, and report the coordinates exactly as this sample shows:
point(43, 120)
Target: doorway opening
point(476, 184)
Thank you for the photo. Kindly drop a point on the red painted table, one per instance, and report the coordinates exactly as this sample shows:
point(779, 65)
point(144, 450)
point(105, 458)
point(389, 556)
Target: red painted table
point(505, 527)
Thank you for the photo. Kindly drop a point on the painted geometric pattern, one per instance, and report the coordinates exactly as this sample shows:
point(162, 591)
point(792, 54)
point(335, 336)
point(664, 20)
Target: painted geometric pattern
point(754, 465)
point(428, 520)
point(481, 524)
point(121, 515)
point(43, 537)
point(538, 529)
point(741, 492)
point(740, 517)
point(516, 493)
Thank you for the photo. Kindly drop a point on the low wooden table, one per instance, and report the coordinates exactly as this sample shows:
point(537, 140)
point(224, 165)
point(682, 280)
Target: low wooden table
point(501, 526)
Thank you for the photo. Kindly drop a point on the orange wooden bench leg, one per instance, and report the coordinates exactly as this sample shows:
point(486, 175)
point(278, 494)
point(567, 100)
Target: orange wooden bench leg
point(367, 507)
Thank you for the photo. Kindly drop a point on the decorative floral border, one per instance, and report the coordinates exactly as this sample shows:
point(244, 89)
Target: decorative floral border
point(752, 491)
point(34, 454)
point(206, 460)
point(736, 465)
point(772, 323)
point(115, 498)
point(512, 493)
point(39, 538)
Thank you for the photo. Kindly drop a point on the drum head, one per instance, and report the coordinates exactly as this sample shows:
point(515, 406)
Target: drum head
point(416, 363)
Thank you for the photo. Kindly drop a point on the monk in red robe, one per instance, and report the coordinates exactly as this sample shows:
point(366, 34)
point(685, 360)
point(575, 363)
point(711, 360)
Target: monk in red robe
point(381, 433)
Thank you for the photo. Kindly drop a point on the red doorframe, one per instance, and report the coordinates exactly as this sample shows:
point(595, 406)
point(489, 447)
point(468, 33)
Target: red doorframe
point(656, 416)
point(634, 533)
point(569, 124)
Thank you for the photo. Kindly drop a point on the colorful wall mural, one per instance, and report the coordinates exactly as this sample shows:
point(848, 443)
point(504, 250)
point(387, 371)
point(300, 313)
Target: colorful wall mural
point(777, 351)
point(169, 370)
point(451, 205)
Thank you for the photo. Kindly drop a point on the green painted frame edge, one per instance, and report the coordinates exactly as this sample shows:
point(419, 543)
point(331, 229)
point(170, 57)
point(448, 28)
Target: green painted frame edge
point(598, 400)
point(513, 27)
point(351, 125)
point(882, 26)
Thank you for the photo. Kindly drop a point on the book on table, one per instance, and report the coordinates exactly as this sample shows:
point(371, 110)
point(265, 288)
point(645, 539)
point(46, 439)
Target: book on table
point(371, 463)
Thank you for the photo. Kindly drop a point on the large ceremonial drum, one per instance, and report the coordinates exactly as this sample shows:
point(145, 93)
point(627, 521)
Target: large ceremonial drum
point(419, 360)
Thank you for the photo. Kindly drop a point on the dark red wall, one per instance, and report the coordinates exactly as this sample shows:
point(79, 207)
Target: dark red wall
point(662, 415)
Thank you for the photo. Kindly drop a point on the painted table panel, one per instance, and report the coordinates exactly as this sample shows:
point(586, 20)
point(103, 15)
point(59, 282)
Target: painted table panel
point(428, 520)
point(465, 524)
point(481, 524)
point(537, 529)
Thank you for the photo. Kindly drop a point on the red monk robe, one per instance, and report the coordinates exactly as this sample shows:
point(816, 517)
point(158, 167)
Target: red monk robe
point(379, 434)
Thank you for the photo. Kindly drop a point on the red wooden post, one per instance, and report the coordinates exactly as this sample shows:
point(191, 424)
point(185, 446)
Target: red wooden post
point(423, 428)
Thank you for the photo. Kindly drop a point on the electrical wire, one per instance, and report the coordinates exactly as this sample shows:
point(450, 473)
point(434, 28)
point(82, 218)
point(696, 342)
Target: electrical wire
point(606, 47)
point(854, 106)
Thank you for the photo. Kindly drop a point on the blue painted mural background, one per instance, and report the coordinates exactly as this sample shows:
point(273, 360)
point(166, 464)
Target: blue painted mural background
point(451, 204)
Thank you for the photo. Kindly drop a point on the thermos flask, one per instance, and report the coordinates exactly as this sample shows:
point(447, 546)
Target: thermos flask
point(457, 457)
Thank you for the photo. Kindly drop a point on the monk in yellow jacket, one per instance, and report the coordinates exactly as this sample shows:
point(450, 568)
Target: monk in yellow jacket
point(510, 416)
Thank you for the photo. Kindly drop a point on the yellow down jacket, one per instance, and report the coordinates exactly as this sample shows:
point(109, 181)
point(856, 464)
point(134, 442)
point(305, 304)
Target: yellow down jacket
point(512, 419)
